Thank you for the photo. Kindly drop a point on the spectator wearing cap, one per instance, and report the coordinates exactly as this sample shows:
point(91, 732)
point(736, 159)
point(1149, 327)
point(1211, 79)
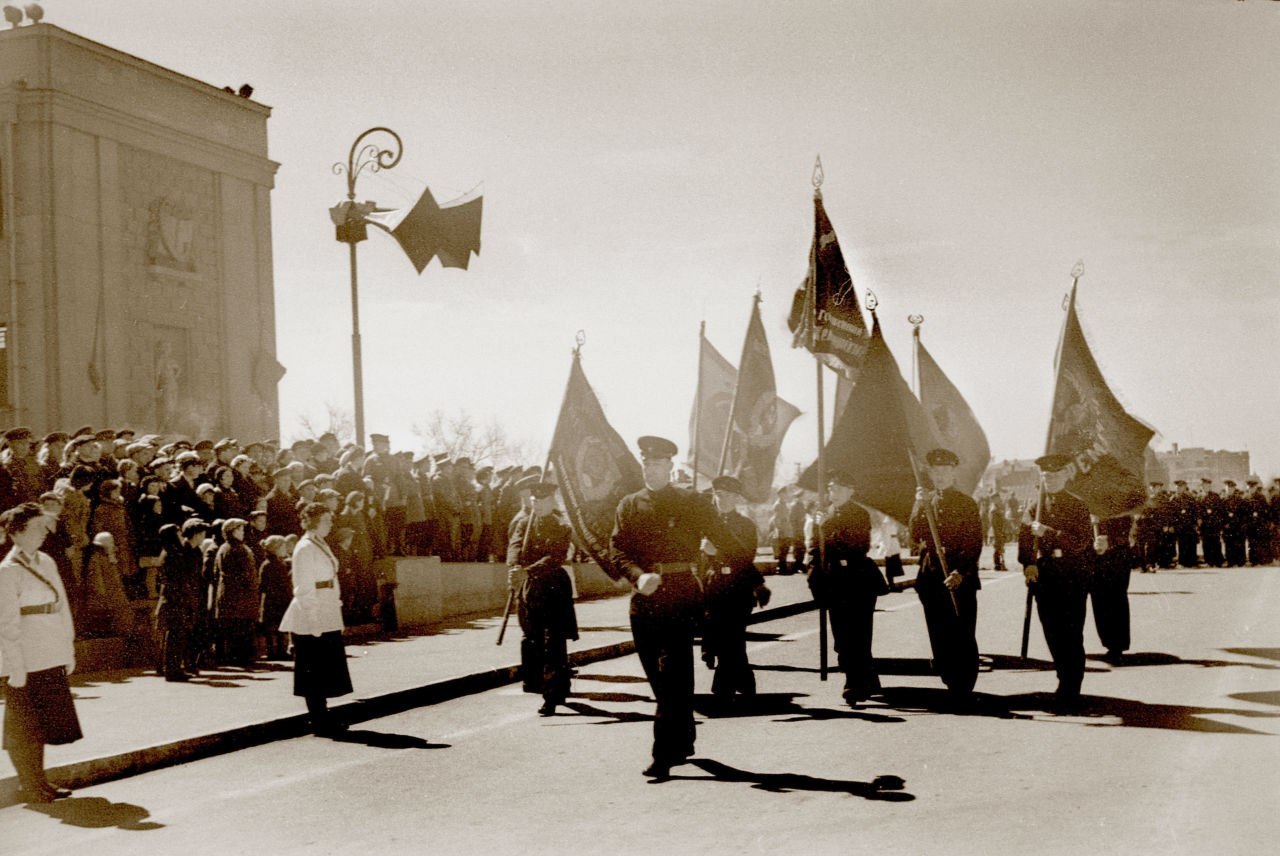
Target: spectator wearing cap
point(448, 505)
point(49, 457)
point(415, 509)
point(179, 611)
point(485, 508)
point(846, 581)
point(536, 553)
point(236, 595)
point(1056, 553)
point(948, 595)
point(20, 477)
point(324, 452)
point(74, 490)
point(181, 501)
point(733, 587)
point(256, 533)
point(225, 451)
point(243, 483)
point(657, 536)
point(347, 477)
point(204, 449)
point(275, 592)
point(281, 504)
point(364, 590)
point(314, 617)
point(141, 453)
point(148, 517)
point(111, 515)
point(464, 485)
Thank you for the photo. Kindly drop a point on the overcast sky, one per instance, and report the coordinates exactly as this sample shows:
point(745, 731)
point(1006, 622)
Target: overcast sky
point(646, 166)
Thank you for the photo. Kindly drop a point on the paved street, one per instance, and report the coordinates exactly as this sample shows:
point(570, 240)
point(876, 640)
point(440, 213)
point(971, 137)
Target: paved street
point(1175, 754)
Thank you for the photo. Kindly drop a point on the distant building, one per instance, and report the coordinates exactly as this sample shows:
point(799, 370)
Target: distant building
point(135, 245)
point(1194, 464)
point(1019, 477)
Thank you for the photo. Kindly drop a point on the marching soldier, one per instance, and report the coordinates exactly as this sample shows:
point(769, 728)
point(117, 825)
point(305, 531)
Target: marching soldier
point(1149, 530)
point(950, 600)
point(847, 582)
point(536, 551)
point(1109, 591)
point(733, 587)
point(1213, 511)
point(998, 533)
point(1055, 551)
point(1233, 525)
point(657, 534)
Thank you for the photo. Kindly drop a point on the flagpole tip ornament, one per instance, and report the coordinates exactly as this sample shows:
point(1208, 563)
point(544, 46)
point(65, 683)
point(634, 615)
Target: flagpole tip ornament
point(872, 300)
point(817, 177)
point(1078, 270)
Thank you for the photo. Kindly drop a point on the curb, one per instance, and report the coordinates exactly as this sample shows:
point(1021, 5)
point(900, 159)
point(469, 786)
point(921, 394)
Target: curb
point(84, 773)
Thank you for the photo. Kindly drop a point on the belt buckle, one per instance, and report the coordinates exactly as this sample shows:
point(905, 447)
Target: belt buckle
point(1057, 554)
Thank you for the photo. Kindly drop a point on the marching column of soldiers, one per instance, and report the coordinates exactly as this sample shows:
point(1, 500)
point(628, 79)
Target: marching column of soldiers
point(1186, 528)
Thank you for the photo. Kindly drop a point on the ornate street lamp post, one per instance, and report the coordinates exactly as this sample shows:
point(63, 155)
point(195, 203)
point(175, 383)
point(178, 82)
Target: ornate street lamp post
point(349, 218)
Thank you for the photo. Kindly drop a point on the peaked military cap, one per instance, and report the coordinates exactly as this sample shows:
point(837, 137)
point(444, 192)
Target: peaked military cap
point(727, 483)
point(379, 438)
point(1180, 482)
point(84, 429)
point(528, 482)
point(1252, 480)
point(55, 437)
point(1051, 463)
point(840, 477)
point(1229, 482)
point(1161, 484)
point(225, 443)
point(942, 458)
point(105, 434)
point(1206, 481)
point(656, 447)
point(203, 445)
point(187, 457)
point(125, 434)
point(14, 434)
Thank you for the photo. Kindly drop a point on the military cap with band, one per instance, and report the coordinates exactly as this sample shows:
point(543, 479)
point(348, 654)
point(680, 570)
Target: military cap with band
point(727, 483)
point(1229, 482)
point(942, 458)
point(1180, 482)
point(1206, 481)
point(543, 489)
point(528, 482)
point(55, 437)
point(1052, 462)
point(656, 447)
point(14, 434)
point(225, 443)
point(379, 438)
point(105, 434)
point(840, 477)
point(187, 457)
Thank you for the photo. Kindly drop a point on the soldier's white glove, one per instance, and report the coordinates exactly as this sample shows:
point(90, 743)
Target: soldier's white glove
point(647, 584)
point(17, 682)
point(707, 547)
point(1032, 573)
point(1100, 544)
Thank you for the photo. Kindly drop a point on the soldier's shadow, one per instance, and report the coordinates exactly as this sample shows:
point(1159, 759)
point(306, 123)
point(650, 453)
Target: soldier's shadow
point(780, 705)
point(1158, 658)
point(97, 813)
point(1138, 714)
point(613, 679)
point(610, 717)
point(940, 700)
point(883, 788)
point(614, 697)
point(384, 740)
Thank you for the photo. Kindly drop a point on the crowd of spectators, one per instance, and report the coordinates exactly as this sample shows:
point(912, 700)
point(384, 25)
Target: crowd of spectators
point(204, 529)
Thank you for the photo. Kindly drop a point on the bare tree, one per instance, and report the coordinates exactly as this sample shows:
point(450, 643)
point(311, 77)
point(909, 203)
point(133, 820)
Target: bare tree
point(339, 420)
point(459, 435)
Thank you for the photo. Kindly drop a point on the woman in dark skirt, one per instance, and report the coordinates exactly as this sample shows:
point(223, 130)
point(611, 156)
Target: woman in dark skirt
point(36, 652)
point(314, 617)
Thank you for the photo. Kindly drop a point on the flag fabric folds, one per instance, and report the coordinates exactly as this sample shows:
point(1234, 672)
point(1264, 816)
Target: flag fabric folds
point(1089, 425)
point(593, 466)
point(429, 230)
point(825, 316)
point(881, 436)
point(709, 418)
point(953, 423)
point(758, 419)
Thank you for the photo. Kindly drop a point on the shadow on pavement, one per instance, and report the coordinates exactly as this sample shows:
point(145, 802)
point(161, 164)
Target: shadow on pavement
point(1013, 663)
point(780, 704)
point(613, 679)
point(1138, 714)
point(612, 717)
point(616, 629)
point(1158, 658)
point(615, 697)
point(1271, 698)
point(384, 740)
point(97, 813)
point(1156, 593)
point(1264, 653)
point(779, 667)
point(940, 700)
point(887, 788)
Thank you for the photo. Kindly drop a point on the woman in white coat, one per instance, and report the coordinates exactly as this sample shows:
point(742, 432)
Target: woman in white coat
point(37, 651)
point(314, 618)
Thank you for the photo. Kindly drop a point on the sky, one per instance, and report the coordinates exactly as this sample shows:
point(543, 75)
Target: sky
point(646, 167)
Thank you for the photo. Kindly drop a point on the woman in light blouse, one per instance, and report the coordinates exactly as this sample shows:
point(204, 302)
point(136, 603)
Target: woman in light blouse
point(37, 652)
point(314, 617)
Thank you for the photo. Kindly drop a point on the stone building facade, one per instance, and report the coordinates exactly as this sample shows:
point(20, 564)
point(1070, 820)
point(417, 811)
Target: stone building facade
point(135, 245)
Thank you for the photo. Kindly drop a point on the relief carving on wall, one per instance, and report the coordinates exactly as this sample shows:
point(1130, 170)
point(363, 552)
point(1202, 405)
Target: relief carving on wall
point(171, 235)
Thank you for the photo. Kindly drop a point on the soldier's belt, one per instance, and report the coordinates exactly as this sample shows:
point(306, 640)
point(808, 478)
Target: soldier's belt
point(40, 608)
point(324, 584)
point(668, 568)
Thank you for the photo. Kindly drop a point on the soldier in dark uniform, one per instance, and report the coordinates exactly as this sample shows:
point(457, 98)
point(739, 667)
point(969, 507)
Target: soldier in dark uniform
point(656, 538)
point(1213, 512)
point(949, 600)
point(1056, 553)
point(1109, 591)
point(1185, 512)
point(998, 536)
point(1257, 524)
point(536, 551)
point(20, 477)
point(733, 587)
point(847, 582)
point(1148, 531)
point(1233, 525)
